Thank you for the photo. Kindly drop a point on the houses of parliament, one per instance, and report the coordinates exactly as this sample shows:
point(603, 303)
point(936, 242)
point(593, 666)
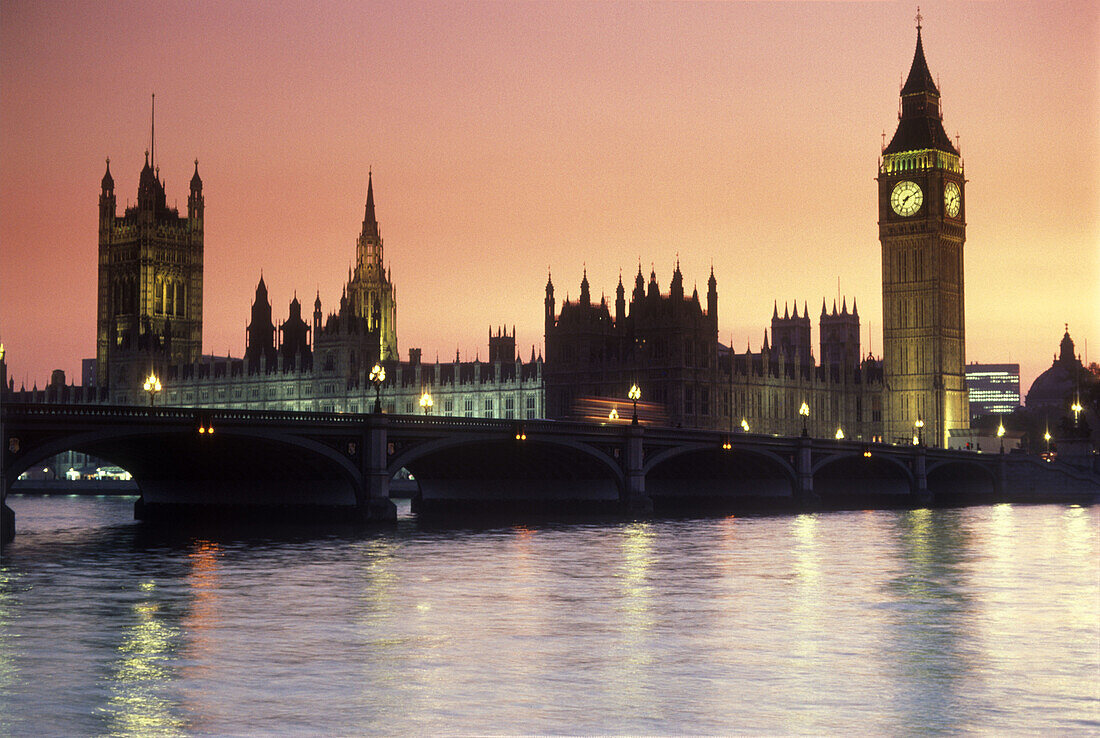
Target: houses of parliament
point(150, 318)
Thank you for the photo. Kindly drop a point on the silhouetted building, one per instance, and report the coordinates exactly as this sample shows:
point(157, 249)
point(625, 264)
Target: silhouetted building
point(668, 345)
point(1058, 387)
point(840, 337)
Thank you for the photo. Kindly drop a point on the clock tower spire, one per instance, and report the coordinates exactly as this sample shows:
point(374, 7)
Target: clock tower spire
point(922, 230)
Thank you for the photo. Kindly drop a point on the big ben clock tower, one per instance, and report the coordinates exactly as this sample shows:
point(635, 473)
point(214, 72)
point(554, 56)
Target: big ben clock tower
point(922, 228)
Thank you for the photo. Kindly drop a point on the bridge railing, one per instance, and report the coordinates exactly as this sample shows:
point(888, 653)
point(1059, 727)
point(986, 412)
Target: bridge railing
point(13, 410)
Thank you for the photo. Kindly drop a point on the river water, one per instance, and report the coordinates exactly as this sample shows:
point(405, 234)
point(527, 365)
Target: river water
point(887, 622)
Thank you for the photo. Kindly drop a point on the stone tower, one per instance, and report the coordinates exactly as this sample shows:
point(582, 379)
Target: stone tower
point(370, 292)
point(922, 228)
point(150, 281)
point(840, 336)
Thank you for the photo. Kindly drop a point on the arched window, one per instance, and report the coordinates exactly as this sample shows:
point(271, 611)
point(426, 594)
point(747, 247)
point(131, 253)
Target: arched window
point(158, 307)
point(171, 298)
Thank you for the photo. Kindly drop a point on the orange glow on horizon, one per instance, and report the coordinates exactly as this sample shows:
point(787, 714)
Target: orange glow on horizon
point(508, 137)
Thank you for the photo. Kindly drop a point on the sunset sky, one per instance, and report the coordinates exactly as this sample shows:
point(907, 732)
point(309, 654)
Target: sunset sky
point(508, 138)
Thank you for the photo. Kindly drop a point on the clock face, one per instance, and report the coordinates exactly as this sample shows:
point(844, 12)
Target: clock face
point(952, 199)
point(906, 198)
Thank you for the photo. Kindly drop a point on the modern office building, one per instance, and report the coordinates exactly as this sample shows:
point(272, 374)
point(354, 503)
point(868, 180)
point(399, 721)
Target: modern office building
point(994, 388)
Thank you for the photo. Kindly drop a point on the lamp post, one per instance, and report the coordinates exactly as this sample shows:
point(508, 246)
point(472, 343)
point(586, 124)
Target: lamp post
point(1046, 437)
point(1076, 408)
point(635, 394)
point(744, 425)
point(1001, 436)
point(920, 430)
point(377, 377)
point(426, 403)
point(152, 386)
point(804, 411)
point(840, 434)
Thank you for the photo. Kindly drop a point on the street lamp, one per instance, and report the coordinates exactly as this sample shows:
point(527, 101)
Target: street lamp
point(613, 415)
point(1001, 436)
point(377, 377)
point(635, 395)
point(804, 411)
point(426, 403)
point(1076, 408)
point(744, 425)
point(152, 386)
point(840, 434)
point(920, 430)
point(1046, 437)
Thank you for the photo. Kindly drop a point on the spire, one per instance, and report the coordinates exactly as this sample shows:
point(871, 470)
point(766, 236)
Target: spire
point(844, 307)
point(786, 312)
point(196, 180)
point(775, 310)
point(824, 312)
point(920, 125)
point(920, 79)
point(108, 181)
point(586, 296)
point(153, 130)
point(855, 311)
point(370, 222)
point(712, 283)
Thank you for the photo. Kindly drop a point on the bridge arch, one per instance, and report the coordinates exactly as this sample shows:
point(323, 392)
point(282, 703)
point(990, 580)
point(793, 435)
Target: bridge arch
point(853, 478)
point(706, 474)
point(958, 481)
point(490, 470)
point(176, 465)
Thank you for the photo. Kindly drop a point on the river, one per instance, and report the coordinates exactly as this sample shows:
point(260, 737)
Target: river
point(982, 619)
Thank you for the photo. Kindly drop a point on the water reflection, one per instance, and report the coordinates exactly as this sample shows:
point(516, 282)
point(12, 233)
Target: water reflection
point(144, 667)
point(932, 616)
point(9, 671)
point(635, 610)
point(881, 622)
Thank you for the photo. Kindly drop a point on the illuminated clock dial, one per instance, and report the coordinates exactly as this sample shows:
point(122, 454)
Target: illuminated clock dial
point(906, 198)
point(952, 199)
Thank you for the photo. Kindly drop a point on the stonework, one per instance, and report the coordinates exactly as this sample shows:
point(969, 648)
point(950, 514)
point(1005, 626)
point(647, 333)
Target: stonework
point(667, 344)
point(150, 280)
point(922, 229)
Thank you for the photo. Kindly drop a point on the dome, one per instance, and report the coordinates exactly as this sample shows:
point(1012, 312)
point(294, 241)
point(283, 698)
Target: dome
point(1052, 388)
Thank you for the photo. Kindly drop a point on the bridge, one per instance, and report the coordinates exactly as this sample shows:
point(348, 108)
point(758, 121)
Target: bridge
point(338, 466)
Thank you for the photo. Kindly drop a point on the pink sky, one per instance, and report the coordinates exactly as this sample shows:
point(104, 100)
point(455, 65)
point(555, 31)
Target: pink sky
point(506, 138)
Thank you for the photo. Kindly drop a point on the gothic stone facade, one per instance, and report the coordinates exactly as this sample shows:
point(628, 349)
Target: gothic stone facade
point(150, 280)
point(150, 319)
point(922, 228)
point(667, 344)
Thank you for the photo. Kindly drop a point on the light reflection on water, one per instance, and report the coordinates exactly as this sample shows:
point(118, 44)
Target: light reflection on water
point(976, 619)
